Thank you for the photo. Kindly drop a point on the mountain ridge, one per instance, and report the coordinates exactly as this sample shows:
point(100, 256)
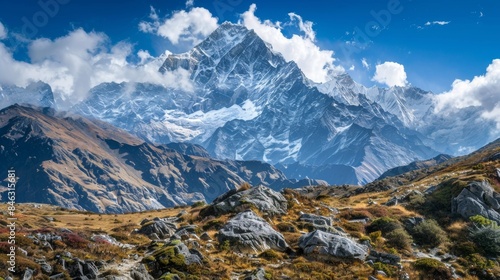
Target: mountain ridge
point(75, 163)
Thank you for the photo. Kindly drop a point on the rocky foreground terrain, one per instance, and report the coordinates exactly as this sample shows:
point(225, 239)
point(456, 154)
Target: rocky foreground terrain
point(440, 222)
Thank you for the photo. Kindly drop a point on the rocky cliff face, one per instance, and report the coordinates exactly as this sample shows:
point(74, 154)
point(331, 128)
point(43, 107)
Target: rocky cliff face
point(75, 163)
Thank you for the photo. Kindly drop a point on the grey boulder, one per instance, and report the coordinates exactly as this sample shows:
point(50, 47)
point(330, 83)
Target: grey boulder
point(157, 228)
point(320, 244)
point(263, 198)
point(249, 233)
point(478, 198)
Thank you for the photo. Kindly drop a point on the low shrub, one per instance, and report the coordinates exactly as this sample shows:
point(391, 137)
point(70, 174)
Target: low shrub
point(379, 211)
point(399, 239)
point(286, 227)
point(429, 233)
point(198, 204)
point(432, 269)
point(390, 270)
point(384, 224)
point(213, 224)
point(270, 255)
point(355, 214)
point(487, 238)
point(74, 240)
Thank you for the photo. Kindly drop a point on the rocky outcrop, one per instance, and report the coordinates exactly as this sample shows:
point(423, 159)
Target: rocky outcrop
point(157, 229)
point(247, 232)
point(383, 258)
point(397, 199)
point(478, 198)
point(318, 222)
point(263, 198)
point(324, 245)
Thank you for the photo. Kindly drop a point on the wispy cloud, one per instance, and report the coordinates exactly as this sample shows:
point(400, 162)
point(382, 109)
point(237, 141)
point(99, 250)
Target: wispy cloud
point(3, 32)
point(437, 22)
point(365, 63)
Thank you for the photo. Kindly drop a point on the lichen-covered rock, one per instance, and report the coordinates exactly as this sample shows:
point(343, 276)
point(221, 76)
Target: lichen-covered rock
point(173, 255)
point(478, 198)
point(320, 244)
point(263, 198)
point(247, 232)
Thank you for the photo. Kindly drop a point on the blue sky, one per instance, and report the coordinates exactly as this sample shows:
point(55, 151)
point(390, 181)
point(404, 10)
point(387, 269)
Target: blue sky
point(436, 41)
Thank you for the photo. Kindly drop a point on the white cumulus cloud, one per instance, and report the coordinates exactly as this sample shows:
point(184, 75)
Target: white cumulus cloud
point(188, 27)
point(75, 63)
point(391, 74)
point(315, 63)
point(3, 31)
point(482, 91)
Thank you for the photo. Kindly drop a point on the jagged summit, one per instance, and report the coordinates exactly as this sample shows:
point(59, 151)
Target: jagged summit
point(249, 103)
point(36, 93)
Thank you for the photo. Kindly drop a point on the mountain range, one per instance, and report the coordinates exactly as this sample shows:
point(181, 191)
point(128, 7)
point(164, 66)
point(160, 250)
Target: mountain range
point(67, 160)
point(249, 103)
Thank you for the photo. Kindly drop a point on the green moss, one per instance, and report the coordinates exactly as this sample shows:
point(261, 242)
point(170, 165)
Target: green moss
point(479, 262)
point(388, 269)
point(483, 222)
point(433, 269)
point(198, 204)
point(174, 243)
point(168, 256)
point(428, 263)
point(168, 276)
point(149, 259)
